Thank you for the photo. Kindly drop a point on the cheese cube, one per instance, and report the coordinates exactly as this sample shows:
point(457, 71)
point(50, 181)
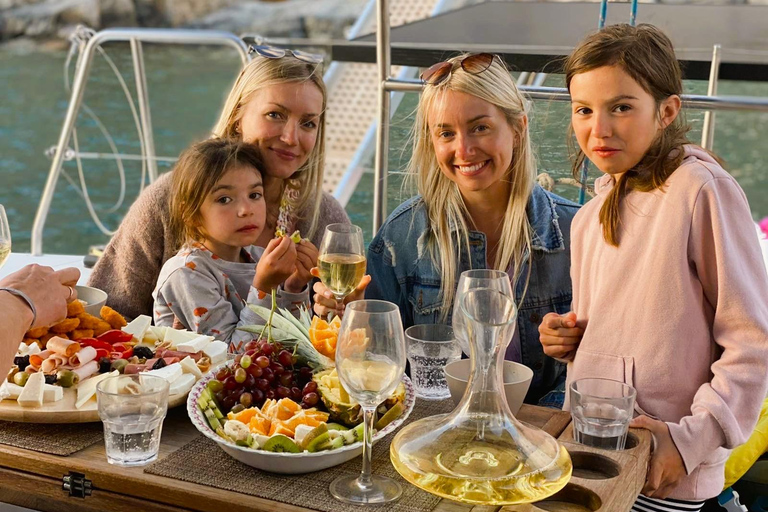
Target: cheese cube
point(195, 345)
point(87, 389)
point(159, 331)
point(182, 385)
point(138, 326)
point(52, 393)
point(176, 336)
point(189, 366)
point(32, 394)
point(169, 373)
point(217, 351)
point(10, 391)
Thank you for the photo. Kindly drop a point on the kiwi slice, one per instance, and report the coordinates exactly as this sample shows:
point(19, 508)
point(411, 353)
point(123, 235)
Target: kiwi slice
point(337, 443)
point(391, 415)
point(319, 442)
point(313, 434)
point(281, 443)
point(336, 426)
point(353, 435)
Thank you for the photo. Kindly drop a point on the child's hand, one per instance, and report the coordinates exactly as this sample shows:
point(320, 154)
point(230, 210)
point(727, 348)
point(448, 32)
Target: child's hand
point(325, 303)
point(276, 264)
point(666, 467)
point(306, 259)
point(560, 336)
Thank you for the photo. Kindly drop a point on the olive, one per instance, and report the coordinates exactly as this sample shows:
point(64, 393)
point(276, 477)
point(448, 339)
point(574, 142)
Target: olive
point(50, 378)
point(160, 363)
point(67, 378)
point(143, 352)
point(104, 365)
point(21, 378)
point(119, 365)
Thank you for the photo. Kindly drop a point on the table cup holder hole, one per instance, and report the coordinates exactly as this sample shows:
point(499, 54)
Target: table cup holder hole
point(632, 441)
point(593, 466)
point(572, 498)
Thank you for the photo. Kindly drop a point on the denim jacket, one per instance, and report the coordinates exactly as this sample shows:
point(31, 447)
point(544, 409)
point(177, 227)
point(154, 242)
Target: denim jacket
point(402, 272)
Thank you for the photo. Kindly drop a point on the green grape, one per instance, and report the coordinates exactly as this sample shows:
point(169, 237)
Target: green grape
point(240, 375)
point(296, 237)
point(245, 361)
point(215, 385)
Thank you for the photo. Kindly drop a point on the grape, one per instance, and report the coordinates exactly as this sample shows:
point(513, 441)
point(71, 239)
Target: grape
point(310, 387)
point(253, 354)
point(258, 397)
point(245, 361)
point(250, 381)
point(267, 349)
point(305, 406)
point(262, 384)
point(283, 392)
point(310, 399)
point(220, 396)
point(227, 404)
point(246, 399)
point(230, 383)
point(240, 375)
point(285, 358)
point(255, 370)
point(262, 361)
point(270, 394)
point(238, 357)
point(286, 380)
point(235, 393)
point(237, 408)
point(252, 345)
point(296, 393)
point(268, 374)
point(277, 368)
point(215, 385)
point(222, 374)
point(306, 372)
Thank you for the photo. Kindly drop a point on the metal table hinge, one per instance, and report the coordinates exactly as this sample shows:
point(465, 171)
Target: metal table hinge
point(77, 485)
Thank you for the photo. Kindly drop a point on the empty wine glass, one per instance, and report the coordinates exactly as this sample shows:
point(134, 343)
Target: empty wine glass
point(469, 280)
point(341, 259)
point(370, 361)
point(5, 237)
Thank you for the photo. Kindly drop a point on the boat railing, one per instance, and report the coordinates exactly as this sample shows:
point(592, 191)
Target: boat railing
point(135, 37)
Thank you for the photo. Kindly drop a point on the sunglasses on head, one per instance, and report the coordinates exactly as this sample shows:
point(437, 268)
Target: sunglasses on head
point(473, 64)
point(270, 52)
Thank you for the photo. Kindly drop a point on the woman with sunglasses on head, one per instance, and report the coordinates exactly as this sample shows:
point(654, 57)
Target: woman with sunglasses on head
point(478, 207)
point(278, 104)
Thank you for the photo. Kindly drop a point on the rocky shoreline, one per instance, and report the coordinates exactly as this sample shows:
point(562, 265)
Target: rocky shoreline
point(48, 23)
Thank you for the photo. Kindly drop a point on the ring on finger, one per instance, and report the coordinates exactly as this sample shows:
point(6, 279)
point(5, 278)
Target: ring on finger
point(71, 292)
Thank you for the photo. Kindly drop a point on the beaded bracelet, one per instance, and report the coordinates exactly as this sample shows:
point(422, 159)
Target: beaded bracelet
point(23, 296)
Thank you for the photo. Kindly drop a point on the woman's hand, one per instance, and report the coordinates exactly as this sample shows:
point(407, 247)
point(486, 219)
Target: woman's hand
point(276, 264)
point(560, 336)
point(666, 468)
point(306, 260)
point(325, 303)
point(49, 290)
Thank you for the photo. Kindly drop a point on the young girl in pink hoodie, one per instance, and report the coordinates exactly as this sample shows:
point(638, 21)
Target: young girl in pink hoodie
point(670, 293)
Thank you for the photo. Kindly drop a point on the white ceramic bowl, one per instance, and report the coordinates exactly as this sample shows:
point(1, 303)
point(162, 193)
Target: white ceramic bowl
point(93, 297)
point(288, 463)
point(517, 380)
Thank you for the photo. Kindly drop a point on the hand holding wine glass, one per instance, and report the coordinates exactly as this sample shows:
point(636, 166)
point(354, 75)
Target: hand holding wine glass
point(341, 262)
point(370, 361)
point(5, 237)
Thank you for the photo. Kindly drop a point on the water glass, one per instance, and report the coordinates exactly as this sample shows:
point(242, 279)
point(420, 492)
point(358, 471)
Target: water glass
point(601, 410)
point(132, 408)
point(430, 347)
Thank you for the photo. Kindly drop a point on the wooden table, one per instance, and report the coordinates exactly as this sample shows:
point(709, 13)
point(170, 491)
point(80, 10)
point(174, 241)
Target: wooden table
point(34, 480)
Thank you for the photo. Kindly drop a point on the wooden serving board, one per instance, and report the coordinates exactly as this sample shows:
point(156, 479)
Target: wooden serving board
point(63, 411)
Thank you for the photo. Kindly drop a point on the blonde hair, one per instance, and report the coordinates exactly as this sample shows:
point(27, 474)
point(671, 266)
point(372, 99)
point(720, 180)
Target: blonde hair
point(261, 73)
point(195, 174)
point(442, 199)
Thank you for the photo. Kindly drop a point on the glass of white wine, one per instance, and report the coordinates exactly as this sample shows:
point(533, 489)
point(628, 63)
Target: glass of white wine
point(5, 237)
point(341, 259)
point(370, 361)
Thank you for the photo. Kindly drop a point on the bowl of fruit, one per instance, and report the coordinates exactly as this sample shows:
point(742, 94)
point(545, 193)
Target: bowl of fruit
point(280, 407)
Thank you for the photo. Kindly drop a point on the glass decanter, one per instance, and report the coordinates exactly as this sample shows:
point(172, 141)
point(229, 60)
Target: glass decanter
point(480, 453)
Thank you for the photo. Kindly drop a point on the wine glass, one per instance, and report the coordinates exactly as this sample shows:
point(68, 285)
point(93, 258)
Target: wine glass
point(471, 279)
point(370, 361)
point(341, 259)
point(5, 237)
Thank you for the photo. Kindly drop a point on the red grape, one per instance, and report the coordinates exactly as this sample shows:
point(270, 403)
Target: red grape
point(230, 383)
point(277, 368)
point(268, 374)
point(258, 397)
point(262, 361)
point(311, 399)
point(286, 380)
point(306, 372)
point(254, 370)
point(310, 387)
point(296, 394)
point(238, 357)
point(262, 384)
point(285, 358)
point(222, 374)
point(227, 404)
point(283, 392)
point(267, 349)
point(270, 394)
point(252, 345)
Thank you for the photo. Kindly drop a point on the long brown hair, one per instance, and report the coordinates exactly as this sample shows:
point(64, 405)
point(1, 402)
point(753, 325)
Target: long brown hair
point(646, 54)
point(197, 171)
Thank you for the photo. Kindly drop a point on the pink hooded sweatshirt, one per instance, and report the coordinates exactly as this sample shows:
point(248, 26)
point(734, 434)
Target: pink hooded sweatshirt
point(679, 311)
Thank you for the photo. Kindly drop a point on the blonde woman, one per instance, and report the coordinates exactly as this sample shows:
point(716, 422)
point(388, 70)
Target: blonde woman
point(478, 207)
point(278, 104)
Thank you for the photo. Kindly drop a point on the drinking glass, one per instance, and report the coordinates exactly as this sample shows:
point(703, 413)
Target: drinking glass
point(430, 348)
point(370, 361)
point(341, 259)
point(471, 279)
point(132, 408)
point(5, 237)
point(601, 410)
